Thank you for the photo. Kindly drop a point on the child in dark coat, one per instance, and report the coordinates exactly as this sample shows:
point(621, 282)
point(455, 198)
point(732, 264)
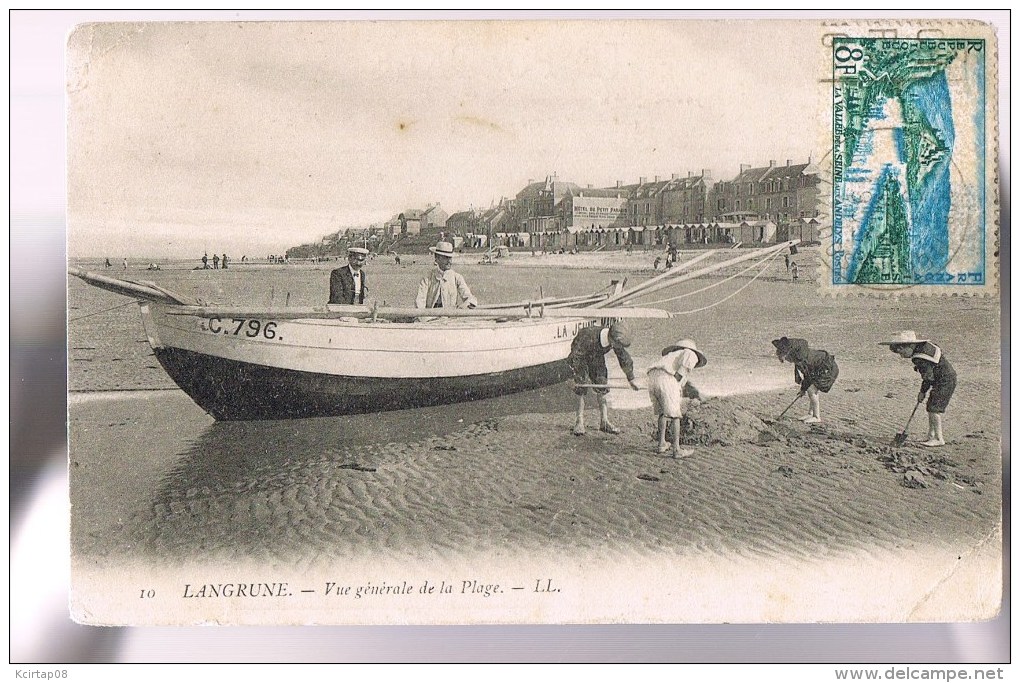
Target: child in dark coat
point(937, 375)
point(814, 370)
point(587, 362)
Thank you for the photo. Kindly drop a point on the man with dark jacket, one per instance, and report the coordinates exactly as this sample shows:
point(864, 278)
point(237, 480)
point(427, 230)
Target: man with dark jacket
point(347, 284)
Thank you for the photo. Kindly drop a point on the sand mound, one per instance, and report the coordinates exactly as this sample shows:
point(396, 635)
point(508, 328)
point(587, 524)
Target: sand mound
point(721, 421)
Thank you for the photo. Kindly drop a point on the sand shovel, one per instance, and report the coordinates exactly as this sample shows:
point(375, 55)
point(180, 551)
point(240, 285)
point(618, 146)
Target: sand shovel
point(772, 422)
point(901, 438)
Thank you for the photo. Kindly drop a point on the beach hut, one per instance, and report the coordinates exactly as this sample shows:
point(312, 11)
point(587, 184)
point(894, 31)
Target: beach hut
point(756, 232)
point(805, 229)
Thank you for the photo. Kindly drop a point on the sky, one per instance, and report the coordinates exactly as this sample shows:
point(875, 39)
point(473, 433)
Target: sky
point(249, 137)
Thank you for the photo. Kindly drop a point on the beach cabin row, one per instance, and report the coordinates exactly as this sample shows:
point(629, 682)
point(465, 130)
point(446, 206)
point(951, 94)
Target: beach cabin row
point(749, 232)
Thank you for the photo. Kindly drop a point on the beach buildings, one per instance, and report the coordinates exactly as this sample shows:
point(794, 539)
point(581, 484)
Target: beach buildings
point(782, 194)
point(760, 204)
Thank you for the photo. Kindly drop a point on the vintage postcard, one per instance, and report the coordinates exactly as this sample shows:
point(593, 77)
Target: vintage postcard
point(521, 322)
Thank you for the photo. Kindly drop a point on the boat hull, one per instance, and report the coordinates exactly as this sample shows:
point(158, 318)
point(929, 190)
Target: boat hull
point(270, 368)
point(235, 390)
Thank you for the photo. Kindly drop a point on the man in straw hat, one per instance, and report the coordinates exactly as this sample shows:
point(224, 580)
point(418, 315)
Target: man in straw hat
point(587, 360)
point(814, 370)
point(667, 380)
point(347, 284)
point(937, 375)
point(444, 287)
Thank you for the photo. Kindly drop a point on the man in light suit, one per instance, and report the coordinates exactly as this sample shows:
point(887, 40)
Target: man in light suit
point(347, 284)
point(444, 287)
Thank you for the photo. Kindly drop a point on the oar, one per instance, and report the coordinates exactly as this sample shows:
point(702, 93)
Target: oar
point(604, 386)
point(344, 311)
point(673, 272)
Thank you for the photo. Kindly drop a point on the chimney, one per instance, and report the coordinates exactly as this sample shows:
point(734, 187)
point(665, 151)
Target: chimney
point(642, 179)
point(745, 167)
point(589, 186)
point(704, 172)
point(656, 178)
point(675, 176)
point(619, 183)
point(787, 162)
point(530, 180)
point(772, 163)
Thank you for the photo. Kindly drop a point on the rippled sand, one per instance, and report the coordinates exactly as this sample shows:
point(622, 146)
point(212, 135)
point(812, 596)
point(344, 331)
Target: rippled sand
point(154, 480)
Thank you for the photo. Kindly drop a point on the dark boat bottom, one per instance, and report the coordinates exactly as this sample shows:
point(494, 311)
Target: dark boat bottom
point(233, 390)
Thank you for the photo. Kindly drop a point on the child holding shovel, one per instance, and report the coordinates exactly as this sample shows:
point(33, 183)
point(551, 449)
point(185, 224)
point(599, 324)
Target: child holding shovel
point(814, 370)
point(937, 375)
point(667, 380)
point(587, 361)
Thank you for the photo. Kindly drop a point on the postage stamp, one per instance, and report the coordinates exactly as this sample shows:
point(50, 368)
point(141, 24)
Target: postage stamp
point(910, 150)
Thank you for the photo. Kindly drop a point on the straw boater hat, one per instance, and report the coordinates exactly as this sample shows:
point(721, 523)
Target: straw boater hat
point(357, 250)
point(903, 338)
point(686, 344)
point(442, 249)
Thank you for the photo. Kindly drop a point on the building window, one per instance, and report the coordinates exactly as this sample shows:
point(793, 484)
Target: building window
point(786, 202)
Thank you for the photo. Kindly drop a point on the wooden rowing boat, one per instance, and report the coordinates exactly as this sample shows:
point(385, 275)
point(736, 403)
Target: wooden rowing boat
point(245, 363)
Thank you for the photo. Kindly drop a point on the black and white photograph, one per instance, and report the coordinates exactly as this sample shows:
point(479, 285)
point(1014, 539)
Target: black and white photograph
point(506, 322)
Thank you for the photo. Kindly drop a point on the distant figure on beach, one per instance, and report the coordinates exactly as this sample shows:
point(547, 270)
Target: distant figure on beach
point(153, 266)
point(347, 285)
point(205, 261)
point(587, 362)
point(794, 271)
point(667, 379)
point(814, 370)
point(443, 286)
point(937, 375)
point(125, 264)
point(396, 259)
point(655, 264)
point(216, 261)
point(225, 261)
point(108, 264)
point(786, 257)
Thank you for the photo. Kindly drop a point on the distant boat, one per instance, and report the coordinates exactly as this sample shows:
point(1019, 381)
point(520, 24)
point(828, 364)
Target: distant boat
point(283, 363)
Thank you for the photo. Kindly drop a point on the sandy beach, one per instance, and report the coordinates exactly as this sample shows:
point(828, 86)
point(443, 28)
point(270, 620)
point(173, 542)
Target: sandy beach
point(765, 522)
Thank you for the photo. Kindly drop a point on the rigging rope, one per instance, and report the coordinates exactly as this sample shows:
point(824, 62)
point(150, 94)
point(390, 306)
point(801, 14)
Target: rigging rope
point(71, 320)
point(754, 264)
point(765, 264)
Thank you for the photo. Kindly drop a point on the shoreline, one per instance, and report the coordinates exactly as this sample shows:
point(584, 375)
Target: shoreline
point(637, 259)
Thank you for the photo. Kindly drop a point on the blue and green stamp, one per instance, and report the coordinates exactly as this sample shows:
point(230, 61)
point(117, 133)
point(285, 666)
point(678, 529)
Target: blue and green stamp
point(909, 162)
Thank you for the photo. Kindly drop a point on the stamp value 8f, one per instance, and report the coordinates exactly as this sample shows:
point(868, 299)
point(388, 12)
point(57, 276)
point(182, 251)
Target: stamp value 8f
point(910, 204)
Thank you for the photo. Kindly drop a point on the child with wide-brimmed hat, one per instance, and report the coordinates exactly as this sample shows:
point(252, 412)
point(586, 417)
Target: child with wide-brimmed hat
point(937, 375)
point(666, 381)
point(815, 370)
